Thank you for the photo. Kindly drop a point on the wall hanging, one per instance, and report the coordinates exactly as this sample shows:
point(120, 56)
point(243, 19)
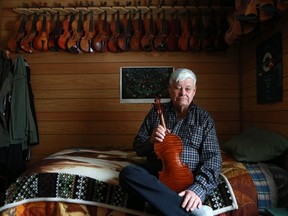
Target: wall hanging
point(143, 84)
point(269, 70)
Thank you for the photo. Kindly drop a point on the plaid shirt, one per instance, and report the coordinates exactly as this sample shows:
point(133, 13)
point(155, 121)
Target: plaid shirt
point(200, 150)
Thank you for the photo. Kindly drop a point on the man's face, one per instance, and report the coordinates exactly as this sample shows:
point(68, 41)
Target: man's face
point(182, 92)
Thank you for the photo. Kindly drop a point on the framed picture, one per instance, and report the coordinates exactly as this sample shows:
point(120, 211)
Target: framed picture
point(269, 70)
point(143, 84)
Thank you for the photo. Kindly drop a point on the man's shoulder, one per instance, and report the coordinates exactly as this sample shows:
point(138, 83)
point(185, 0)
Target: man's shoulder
point(201, 113)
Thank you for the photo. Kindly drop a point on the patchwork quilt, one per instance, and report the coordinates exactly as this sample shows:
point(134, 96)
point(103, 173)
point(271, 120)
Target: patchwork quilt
point(86, 180)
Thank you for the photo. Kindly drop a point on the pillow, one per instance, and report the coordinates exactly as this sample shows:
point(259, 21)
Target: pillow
point(256, 145)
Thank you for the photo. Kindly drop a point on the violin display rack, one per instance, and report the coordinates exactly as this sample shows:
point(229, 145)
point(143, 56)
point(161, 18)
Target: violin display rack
point(109, 9)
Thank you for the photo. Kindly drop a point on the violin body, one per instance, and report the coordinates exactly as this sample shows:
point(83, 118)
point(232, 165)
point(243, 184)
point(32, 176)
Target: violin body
point(209, 30)
point(26, 43)
point(73, 44)
point(184, 39)
point(147, 41)
point(222, 28)
point(40, 42)
point(100, 41)
point(14, 42)
point(195, 42)
point(138, 33)
point(174, 173)
point(115, 27)
point(55, 34)
point(174, 34)
point(86, 41)
point(66, 32)
point(124, 39)
point(183, 42)
point(160, 39)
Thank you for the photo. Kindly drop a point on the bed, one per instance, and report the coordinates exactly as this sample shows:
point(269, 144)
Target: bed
point(84, 181)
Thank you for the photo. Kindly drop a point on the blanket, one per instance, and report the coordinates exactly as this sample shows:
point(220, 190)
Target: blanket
point(243, 186)
point(90, 177)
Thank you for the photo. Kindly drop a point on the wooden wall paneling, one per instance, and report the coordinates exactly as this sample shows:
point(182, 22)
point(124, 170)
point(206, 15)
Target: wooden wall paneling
point(77, 95)
point(272, 116)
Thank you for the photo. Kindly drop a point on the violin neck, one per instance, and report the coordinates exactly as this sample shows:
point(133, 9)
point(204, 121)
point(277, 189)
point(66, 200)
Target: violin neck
point(162, 121)
point(160, 113)
point(91, 22)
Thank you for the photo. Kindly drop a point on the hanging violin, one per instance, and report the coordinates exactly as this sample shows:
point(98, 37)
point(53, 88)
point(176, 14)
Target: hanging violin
point(160, 39)
point(174, 33)
point(66, 32)
point(14, 42)
point(196, 38)
point(147, 40)
point(222, 28)
point(209, 29)
point(26, 43)
point(55, 33)
point(124, 39)
point(174, 173)
point(40, 42)
point(73, 44)
point(138, 32)
point(100, 41)
point(115, 27)
point(186, 28)
point(86, 41)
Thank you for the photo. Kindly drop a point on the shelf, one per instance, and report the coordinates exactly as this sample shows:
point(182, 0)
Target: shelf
point(108, 9)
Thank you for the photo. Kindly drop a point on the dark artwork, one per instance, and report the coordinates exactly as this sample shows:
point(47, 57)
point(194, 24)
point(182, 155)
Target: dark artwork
point(269, 70)
point(142, 83)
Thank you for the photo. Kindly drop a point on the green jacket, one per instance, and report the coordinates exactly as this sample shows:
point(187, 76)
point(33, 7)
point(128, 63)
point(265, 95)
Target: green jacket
point(23, 128)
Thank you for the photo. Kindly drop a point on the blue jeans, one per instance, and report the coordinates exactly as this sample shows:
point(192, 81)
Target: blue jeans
point(138, 181)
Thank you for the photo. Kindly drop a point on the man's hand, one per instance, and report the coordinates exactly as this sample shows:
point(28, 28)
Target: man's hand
point(191, 200)
point(158, 134)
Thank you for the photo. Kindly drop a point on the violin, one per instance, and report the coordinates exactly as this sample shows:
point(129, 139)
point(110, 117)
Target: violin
point(14, 42)
point(66, 32)
point(26, 43)
point(174, 173)
point(73, 44)
point(101, 39)
point(55, 33)
point(237, 29)
point(86, 41)
point(124, 39)
point(209, 29)
point(195, 42)
point(222, 28)
point(40, 42)
point(160, 39)
point(138, 32)
point(186, 28)
point(174, 33)
point(147, 41)
point(115, 27)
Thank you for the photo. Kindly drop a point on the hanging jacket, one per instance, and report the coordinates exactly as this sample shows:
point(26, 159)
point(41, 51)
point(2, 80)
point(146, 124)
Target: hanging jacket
point(23, 127)
point(6, 79)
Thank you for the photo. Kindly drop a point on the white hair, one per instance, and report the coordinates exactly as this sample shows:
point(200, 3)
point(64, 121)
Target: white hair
point(181, 74)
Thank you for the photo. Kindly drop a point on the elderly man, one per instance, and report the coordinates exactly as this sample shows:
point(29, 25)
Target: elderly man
point(200, 151)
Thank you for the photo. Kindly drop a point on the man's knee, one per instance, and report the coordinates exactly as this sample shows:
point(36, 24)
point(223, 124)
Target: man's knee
point(204, 211)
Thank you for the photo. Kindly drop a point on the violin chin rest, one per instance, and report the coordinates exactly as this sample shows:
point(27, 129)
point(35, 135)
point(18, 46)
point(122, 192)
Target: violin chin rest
point(161, 47)
point(74, 49)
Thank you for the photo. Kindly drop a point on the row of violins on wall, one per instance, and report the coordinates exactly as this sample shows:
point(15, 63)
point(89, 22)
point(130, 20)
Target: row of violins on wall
point(80, 31)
